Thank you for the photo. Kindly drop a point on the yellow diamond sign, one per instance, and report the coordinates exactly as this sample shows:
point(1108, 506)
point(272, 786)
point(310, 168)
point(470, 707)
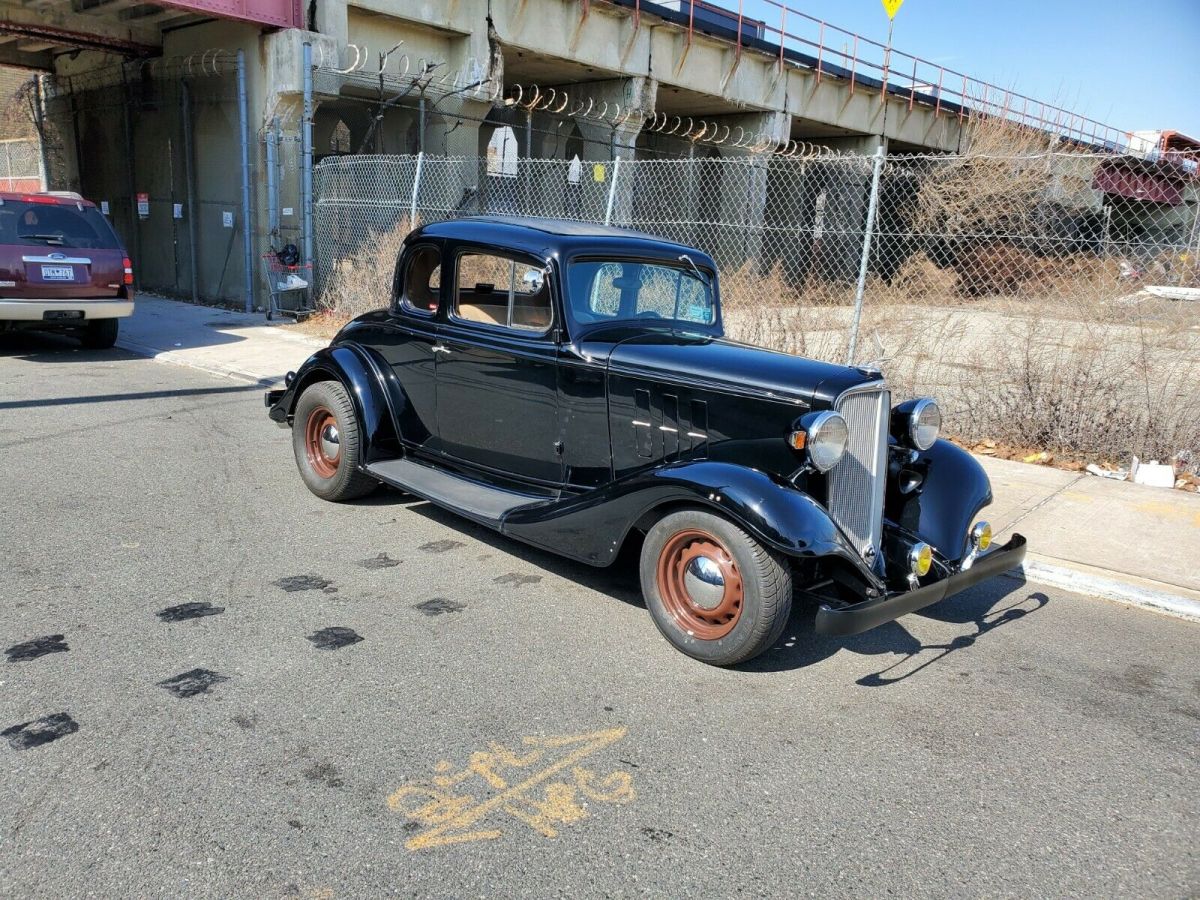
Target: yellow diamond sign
point(891, 7)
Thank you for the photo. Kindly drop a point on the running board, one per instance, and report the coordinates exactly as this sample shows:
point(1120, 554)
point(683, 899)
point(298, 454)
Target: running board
point(481, 502)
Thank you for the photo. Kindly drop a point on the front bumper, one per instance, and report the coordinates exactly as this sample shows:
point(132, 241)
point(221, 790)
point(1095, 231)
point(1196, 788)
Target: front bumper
point(53, 311)
point(860, 617)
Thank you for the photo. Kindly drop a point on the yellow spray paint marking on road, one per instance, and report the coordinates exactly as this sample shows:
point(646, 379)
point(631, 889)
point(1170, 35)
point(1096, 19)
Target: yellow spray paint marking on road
point(552, 794)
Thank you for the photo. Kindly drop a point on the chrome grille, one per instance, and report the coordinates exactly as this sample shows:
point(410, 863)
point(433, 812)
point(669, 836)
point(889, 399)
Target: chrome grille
point(857, 482)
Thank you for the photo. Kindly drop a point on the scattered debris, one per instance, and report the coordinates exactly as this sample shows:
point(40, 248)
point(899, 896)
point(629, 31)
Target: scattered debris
point(1153, 473)
point(1114, 474)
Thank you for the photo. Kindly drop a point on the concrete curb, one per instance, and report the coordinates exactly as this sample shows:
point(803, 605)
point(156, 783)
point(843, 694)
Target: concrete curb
point(1110, 586)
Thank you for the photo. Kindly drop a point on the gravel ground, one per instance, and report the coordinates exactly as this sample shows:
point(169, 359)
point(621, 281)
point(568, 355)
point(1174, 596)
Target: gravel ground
point(217, 685)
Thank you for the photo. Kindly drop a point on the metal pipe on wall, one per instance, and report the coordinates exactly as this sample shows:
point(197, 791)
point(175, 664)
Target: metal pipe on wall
point(247, 230)
point(189, 169)
point(306, 156)
point(135, 227)
point(272, 180)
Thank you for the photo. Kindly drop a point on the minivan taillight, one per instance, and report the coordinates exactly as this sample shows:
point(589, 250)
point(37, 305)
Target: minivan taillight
point(128, 264)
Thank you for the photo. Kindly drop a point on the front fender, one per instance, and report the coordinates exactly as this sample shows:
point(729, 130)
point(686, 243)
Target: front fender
point(351, 365)
point(953, 489)
point(593, 526)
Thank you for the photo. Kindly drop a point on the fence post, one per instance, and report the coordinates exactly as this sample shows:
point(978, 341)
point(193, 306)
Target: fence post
point(612, 191)
point(868, 230)
point(412, 207)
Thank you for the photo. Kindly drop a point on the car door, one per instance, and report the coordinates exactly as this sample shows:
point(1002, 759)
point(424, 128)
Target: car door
point(407, 341)
point(497, 392)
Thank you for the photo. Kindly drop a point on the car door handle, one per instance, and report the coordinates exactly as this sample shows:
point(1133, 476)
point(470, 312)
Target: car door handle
point(439, 348)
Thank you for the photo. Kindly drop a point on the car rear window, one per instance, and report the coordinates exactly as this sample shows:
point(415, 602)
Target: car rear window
point(55, 225)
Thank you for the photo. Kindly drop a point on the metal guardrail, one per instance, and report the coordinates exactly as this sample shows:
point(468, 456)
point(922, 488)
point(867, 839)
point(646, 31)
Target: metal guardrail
point(805, 41)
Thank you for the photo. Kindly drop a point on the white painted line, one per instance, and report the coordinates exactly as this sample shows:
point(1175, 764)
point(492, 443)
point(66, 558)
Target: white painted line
point(1108, 588)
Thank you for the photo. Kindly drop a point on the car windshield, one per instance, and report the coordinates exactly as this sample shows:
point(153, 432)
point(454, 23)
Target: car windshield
point(614, 290)
point(32, 224)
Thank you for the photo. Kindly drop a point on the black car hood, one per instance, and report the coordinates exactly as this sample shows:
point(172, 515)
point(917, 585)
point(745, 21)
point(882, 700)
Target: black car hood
point(722, 364)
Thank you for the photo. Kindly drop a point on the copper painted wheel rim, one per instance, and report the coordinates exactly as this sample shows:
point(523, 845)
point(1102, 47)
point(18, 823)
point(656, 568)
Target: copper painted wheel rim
point(689, 567)
point(322, 442)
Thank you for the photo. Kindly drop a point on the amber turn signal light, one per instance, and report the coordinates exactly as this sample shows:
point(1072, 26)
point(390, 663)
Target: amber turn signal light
point(797, 440)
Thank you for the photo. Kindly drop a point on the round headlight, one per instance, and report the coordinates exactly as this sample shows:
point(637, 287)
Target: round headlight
point(826, 434)
point(924, 423)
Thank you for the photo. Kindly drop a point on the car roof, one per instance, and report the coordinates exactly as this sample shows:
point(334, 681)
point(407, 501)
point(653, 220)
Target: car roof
point(50, 199)
point(548, 236)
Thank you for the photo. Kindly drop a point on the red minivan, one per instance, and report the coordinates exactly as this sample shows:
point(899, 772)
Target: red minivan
point(62, 267)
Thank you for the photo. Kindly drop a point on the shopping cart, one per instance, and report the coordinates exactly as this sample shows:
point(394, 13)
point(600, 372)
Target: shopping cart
point(287, 285)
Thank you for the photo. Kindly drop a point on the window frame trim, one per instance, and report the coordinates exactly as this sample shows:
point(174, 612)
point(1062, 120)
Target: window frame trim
point(514, 257)
point(400, 301)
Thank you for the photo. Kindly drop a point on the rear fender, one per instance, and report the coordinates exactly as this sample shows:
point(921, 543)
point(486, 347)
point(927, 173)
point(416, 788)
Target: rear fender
point(353, 366)
point(593, 527)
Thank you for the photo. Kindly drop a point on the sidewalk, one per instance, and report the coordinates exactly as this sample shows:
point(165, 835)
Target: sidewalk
point(1114, 539)
point(233, 344)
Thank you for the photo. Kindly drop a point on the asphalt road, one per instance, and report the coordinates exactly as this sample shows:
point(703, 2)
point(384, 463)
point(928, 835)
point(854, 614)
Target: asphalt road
point(510, 724)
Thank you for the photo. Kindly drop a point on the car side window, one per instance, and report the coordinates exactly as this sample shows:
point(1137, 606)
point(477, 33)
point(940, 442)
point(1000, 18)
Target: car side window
point(423, 279)
point(499, 290)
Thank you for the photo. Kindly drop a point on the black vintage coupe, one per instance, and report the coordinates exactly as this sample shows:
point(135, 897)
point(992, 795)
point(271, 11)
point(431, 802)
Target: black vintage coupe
point(569, 386)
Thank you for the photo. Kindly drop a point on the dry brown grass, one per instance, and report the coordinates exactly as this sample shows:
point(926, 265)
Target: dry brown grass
point(1049, 362)
point(362, 281)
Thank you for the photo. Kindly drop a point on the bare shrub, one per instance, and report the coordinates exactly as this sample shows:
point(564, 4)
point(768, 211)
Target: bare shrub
point(362, 281)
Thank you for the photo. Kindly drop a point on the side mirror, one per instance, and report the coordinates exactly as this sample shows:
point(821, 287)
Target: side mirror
point(534, 279)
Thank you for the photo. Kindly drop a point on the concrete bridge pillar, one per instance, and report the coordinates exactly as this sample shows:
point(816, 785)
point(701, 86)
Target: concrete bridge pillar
point(626, 104)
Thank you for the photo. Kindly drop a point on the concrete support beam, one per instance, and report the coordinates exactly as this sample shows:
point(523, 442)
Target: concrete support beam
point(61, 27)
point(628, 103)
point(331, 20)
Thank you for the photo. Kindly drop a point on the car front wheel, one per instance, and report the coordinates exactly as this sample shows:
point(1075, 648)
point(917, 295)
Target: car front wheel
point(714, 592)
point(328, 444)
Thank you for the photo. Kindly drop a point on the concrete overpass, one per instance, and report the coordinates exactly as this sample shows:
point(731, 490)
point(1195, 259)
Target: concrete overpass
point(142, 99)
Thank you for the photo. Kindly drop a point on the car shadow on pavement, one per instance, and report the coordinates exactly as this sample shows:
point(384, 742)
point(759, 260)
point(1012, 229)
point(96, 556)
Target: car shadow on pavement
point(983, 606)
point(987, 606)
point(48, 346)
point(619, 581)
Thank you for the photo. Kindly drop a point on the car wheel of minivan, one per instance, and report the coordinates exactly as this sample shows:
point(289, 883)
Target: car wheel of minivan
point(328, 444)
point(714, 592)
point(100, 334)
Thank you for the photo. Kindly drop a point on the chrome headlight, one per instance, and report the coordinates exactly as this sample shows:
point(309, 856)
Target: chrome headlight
point(823, 436)
point(924, 423)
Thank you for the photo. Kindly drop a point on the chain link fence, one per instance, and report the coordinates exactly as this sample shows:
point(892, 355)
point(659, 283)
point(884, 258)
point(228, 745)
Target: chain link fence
point(21, 166)
point(1051, 300)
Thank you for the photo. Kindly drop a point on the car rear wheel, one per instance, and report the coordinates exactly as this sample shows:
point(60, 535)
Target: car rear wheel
point(328, 444)
point(714, 592)
point(100, 334)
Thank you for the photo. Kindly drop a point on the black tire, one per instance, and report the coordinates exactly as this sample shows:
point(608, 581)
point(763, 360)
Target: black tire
point(100, 334)
point(321, 405)
point(765, 588)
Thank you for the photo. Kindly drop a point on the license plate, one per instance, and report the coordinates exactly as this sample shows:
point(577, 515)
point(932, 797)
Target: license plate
point(52, 315)
point(58, 273)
